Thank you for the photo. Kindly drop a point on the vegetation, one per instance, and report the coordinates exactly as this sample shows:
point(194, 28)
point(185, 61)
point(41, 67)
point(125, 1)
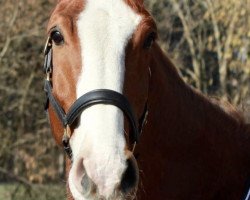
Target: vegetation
point(208, 40)
point(211, 40)
point(44, 192)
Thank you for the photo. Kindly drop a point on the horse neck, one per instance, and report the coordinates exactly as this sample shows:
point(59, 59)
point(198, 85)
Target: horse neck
point(176, 108)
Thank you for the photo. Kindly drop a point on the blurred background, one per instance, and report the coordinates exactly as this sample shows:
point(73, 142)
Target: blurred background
point(208, 40)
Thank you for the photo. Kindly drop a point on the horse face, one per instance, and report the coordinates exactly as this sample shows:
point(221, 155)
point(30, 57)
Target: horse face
point(100, 45)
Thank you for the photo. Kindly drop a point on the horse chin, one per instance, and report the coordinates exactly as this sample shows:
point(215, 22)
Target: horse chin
point(115, 196)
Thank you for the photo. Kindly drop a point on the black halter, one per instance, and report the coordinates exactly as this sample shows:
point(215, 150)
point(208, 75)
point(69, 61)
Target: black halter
point(100, 96)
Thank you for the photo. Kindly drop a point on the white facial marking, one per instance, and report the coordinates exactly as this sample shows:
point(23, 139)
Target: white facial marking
point(104, 28)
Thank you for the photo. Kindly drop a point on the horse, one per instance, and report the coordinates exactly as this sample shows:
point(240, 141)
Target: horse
point(131, 127)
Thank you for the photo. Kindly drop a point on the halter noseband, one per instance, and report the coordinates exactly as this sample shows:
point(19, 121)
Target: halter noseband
point(94, 97)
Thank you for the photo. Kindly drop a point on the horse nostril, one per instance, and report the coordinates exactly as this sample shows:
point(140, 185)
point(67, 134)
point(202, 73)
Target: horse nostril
point(130, 176)
point(87, 185)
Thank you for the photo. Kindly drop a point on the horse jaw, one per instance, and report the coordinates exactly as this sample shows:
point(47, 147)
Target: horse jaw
point(99, 140)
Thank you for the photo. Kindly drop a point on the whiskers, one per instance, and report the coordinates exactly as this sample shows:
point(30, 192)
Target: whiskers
point(131, 195)
point(121, 196)
point(117, 195)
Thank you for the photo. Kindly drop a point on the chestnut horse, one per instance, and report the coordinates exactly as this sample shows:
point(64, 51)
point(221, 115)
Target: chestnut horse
point(190, 148)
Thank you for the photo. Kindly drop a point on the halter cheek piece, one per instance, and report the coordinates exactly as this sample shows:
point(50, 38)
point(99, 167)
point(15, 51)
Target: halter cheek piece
point(94, 97)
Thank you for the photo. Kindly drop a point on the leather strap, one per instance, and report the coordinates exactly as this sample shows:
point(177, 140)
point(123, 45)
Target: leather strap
point(47, 67)
point(52, 100)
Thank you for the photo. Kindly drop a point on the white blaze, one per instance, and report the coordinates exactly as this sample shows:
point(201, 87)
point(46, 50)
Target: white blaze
point(104, 28)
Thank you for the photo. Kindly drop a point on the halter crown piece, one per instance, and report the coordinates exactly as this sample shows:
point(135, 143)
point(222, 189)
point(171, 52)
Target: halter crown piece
point(94, 97)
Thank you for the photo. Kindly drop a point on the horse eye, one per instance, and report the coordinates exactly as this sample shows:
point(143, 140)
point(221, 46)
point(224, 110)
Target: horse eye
point(57, 37)
point(149, 40)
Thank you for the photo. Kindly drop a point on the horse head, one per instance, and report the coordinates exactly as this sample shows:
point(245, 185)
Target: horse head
point(99, 45)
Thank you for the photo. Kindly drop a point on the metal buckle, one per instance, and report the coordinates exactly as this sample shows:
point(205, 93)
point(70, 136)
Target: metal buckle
point(65, 141)
point(66, 137)
point(67, 132)
point(48, 76)
point(48, 44)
